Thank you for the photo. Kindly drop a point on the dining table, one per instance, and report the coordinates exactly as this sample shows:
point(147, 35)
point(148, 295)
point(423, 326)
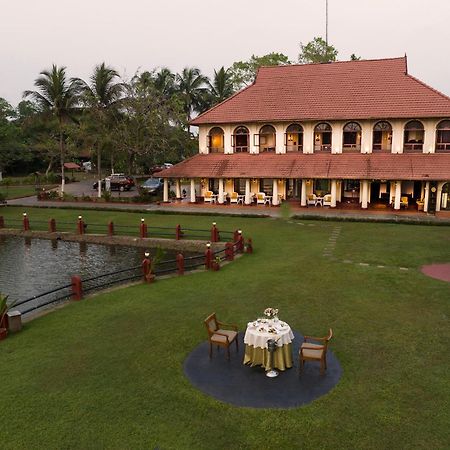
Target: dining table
point(256, 338)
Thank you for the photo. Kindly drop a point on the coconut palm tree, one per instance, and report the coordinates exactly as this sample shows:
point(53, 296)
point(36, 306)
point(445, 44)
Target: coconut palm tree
point(164, 81)
point(57, 96)
point(192, 88)
point(100, 95)
point(221, 86)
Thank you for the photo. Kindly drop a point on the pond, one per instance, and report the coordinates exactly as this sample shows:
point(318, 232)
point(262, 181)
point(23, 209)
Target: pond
point(29, 267)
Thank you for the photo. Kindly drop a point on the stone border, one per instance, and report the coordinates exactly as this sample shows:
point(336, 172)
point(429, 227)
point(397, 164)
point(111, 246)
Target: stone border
point(437, 271)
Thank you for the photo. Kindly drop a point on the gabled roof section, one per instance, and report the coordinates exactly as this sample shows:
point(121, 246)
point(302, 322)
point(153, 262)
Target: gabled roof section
point(365, 89)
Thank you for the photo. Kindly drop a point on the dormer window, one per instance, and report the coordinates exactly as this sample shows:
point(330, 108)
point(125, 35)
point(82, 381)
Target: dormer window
point(351, 140)
point(382, 137)
point(293, 138)
point(240, 140)
point(413, 137)
point(322, 137)
point(266, 139)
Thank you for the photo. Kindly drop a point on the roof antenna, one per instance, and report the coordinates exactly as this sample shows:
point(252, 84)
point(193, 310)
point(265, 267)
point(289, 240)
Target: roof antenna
point(406, 64)
point(326, 22)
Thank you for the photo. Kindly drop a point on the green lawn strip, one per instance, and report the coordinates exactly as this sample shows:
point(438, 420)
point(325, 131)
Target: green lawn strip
point(108, 371)
point(11, 192)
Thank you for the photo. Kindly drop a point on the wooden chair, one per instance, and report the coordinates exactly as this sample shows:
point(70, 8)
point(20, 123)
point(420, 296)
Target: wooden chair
point(234, 197)
point(327, 200)
point(404, 202)
point(260, 198)
point(315, 352)
point(208, 197)
point(311, 199)
point(220, 336)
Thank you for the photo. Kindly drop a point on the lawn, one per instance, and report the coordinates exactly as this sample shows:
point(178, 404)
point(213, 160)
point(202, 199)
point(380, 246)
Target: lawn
point(107, 372)
point(17, 191)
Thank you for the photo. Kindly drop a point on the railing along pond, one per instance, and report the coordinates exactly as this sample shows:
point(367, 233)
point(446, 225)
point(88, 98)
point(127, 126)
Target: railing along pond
point(147, 270)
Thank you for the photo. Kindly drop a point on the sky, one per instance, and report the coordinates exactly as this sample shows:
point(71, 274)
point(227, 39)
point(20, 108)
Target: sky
point(140, 35)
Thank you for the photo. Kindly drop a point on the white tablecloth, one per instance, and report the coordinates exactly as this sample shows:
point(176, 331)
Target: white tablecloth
point(261, 330)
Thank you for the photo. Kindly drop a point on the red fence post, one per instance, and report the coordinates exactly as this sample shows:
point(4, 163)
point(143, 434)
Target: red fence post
point(147, 268)
point(215, 236)
point(52, 225)
point(80, 225)
point(111, 229)
point(235, 235)
point(2, 222)
point(240, 242)
point(178, 232)
point(143, 229)
point(26, 222)
point(208, 256)
point(180, 264)
point(229, 252)
point(249, 245)
point(77, 287)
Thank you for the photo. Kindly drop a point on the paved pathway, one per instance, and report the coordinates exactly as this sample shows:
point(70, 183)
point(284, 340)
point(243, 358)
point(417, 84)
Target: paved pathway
point(307, 213)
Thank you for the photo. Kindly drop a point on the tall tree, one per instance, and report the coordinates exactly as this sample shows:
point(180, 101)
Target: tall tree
point(58, 97)
point(100, 95)
point(317, 51)
point(164, 81)
point(220, 87)
point(191, 88)
point(243, 73)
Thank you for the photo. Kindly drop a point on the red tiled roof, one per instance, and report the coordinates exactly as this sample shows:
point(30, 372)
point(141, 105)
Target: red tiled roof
point(382, 166)
point(370, 89)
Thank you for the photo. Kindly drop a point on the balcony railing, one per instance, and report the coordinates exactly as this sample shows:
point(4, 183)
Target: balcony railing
point(413, 147)
point(216, 150)
point(380, 148)
point(324, 148)
point(294, 148)
point(241, 149)
point(442, 147)
point(351, 148)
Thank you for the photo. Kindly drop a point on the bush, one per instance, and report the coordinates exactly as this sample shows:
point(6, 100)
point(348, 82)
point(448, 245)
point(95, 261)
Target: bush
point(106, 195)
point(2, 197)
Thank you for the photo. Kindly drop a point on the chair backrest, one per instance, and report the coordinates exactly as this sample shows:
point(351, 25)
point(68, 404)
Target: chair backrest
point(327, 198)
point(211, 324)
point(311, 196)
point(208, 194)
point(404, 199)
point(328, 338)
point(234, 195)
point(260, 196)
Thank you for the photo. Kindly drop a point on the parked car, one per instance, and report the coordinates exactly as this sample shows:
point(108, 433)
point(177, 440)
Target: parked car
point(119, 182)
point(153, 185)
point(160, 167)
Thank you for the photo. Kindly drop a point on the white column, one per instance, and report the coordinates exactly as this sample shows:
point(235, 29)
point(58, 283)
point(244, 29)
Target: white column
point(178, 188)
point(248, 199)
point(426, 196)
point(275, 201)
point(369, 198)
point(228, 131)
point(193, 191)
point(397, 136)
point(279, 144)
point(166, 190)
point(308, 137)
point(398, 193)
point(430, 136)
point(336, 137)
point(303, 193)
point(391, 191)
point(339, 191)
point(220, 198)
point(439, 196)
point(333, 193)
point(366, 137)
point(364, 196)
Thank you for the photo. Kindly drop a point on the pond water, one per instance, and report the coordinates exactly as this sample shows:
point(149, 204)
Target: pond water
point(29, 267)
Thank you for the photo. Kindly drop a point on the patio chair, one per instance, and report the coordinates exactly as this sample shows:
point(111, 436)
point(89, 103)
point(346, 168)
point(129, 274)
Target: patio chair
point(260, 198)
point(234, 197)
point(327, 200)
point(209, 197)
point(404, 202)
point(220, 336)
point(311, 199)
point(315, 352)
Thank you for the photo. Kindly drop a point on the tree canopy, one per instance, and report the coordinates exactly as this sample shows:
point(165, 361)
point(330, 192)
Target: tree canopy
point(317, 51)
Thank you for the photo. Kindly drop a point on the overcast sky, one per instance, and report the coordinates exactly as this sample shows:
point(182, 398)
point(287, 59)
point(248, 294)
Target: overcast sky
point(143, 34)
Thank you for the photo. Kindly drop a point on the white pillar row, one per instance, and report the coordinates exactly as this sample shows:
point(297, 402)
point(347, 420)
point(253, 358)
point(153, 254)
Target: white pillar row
point(193, 199)
point(247, 199)
point(364, 196)
point(398, 193)
point(439, 195)
point(391, 191)
point(426, 197)
point(333, 193)
point(220, 197)
point(166, 190)
point(303, 193)
point(275, 200)
point(178, 188)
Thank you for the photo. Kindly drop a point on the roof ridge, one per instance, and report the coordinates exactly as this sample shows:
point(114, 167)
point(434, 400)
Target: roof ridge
point(222, 102)
point(427, 86)
point(332, 62)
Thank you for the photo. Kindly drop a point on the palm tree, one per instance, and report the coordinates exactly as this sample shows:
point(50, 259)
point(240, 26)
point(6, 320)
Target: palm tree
point(164, 81)
point(192, 87)
point(221, 86)
point(58, 97)
point(100, 96)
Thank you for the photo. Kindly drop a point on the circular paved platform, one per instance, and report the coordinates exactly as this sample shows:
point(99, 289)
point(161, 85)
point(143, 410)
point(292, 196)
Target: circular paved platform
point(438, 271)
point(232, 382)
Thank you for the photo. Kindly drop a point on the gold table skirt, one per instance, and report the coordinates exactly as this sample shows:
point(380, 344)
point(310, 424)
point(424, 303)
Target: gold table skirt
point(257, 356)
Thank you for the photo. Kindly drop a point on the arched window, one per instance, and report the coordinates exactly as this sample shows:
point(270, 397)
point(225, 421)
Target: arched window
point(322, 137)
point(215, 140)
point(240, 140)
point(351, 140)
point(266, 139)
point(443, 136)
point(382, 137)
point(413, 137)
point(293, 138)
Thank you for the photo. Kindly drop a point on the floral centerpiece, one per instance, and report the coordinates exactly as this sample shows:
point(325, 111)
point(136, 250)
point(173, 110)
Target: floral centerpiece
point(271, 313)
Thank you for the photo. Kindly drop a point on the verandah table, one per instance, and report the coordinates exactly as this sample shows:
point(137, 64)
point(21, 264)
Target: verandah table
point(256, 349)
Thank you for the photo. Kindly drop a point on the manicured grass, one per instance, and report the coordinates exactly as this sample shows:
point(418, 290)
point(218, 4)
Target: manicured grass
point(107, 372)
point(17, 191)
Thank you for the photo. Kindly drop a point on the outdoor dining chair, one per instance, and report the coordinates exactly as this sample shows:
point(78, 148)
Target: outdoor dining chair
point(219, 335)
point(209, 197)
point(311, 199)
point(310, 351)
